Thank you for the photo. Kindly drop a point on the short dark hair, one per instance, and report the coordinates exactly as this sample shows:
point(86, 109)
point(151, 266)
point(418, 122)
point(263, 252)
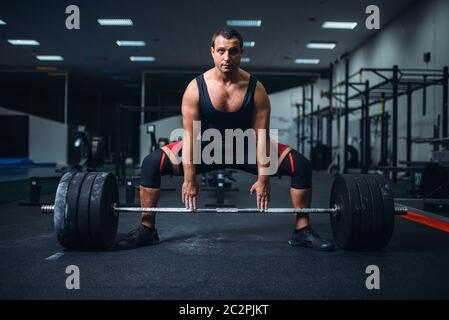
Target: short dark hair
point(227, 33)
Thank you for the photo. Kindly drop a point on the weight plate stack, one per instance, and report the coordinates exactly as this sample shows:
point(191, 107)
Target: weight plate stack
point(366, 217)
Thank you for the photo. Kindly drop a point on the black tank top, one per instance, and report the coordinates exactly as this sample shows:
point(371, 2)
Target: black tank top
point(221, 120)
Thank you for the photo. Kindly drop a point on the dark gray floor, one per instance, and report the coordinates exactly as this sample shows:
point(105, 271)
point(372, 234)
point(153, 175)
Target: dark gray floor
point(206, 256)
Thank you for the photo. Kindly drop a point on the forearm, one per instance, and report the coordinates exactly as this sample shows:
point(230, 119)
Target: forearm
point(187, 159)
point(263, 154)
point(189, 172)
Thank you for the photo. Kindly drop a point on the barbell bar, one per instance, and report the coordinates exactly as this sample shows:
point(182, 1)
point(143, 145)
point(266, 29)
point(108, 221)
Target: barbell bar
point(49, 209)
point(86, 211)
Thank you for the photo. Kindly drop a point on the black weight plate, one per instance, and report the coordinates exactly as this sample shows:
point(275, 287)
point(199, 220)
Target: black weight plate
point(388, 217)
point(83, 210)
point(73, 195)
point(377, 213)
point(340, 222)
point(356, 211)
point(346, 224)
point(102, 218)
point(366, 213)
point(59, 216)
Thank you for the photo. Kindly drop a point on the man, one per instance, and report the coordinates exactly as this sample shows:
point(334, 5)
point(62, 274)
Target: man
point(225, 97)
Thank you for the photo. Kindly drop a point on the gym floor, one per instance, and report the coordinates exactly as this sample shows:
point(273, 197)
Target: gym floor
point(211, 256)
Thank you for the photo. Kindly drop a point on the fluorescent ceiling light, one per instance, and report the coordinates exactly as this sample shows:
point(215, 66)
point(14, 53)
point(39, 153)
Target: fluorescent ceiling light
point(245, 60)
point(142, 58)
point(249, 44)
point(115, 22)
point(307, 61)
point(339, 25)
point(50, 58)
point(130, 43)
point(2, 22)
point(321, 45)
point(18, 42)
point(244, 23)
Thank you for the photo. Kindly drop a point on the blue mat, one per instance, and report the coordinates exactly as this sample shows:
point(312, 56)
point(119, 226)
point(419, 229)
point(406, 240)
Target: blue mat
point(22, 163)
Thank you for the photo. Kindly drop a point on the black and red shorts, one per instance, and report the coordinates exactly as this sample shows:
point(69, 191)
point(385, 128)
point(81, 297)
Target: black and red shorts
point(166, 161)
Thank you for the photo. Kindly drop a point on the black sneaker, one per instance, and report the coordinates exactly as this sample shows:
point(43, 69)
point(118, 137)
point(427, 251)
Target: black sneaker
point(306, 237)
point(141, 236)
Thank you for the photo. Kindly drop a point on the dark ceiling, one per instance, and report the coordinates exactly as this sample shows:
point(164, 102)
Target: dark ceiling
point(177, 34)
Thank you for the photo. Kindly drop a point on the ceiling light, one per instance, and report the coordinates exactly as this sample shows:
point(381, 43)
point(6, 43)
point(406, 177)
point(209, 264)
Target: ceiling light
point(307, 61)
point(18, 42)
point(249, 44)
point(321, 45)
point(244, 23)
point(339, 25)
point(129, 43)
point(245, 60)
point(2, 22)
point(115, 22)
point(142, 58)
point(50, 58)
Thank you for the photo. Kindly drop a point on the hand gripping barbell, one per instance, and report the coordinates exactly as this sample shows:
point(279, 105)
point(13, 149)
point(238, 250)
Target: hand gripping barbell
point(86, 211)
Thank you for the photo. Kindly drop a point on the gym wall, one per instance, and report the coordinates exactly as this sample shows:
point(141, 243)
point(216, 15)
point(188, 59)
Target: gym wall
point(403, 42)
point(281, 105)
point(47, 139)
point(13, 127)
point(422, 28)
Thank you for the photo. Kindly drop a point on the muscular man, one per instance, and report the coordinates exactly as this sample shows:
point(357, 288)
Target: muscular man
point(225, 97)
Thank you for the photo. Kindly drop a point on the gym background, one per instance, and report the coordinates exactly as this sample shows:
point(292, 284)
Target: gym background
point(368, 95)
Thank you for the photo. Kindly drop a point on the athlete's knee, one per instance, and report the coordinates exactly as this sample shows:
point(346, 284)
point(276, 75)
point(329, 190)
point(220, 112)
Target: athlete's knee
point(152, 161)
point(302, 173)
point(150, 173)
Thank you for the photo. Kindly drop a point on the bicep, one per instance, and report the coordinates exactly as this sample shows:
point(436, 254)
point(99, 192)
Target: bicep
point(190, 106)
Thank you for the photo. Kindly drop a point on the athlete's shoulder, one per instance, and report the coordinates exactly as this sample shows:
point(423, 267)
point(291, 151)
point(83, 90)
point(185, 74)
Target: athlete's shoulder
point(261, 95)
point(191, 92)
point(260, 88)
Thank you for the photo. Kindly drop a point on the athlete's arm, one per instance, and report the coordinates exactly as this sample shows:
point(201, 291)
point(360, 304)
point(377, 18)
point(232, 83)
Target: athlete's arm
point(261, 125)
point(190, 110)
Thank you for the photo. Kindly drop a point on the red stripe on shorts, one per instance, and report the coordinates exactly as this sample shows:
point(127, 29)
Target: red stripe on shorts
point(291, 162)
point(161, 165)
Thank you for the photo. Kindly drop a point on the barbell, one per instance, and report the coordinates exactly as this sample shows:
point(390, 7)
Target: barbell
point(86, 211)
